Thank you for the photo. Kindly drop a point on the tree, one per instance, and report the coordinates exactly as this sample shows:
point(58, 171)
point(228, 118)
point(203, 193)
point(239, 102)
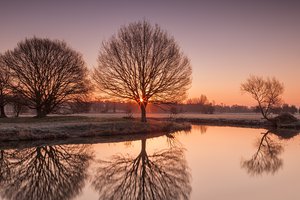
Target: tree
point(46, 73)
point(289, 109)
point(200, 104)
point(18, 103)
point(144, 64)
point(202, 100)
point(267, 93)
point(5, 80)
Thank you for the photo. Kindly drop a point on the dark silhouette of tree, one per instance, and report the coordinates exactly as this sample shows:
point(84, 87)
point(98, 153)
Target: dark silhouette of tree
point(46, 172)
point(202, 100)
point(144, 64)
point(80, 105)
point(18, 103)
point(5, 90)
point(267, 93)
point(200, 104)
point(163, 175)
point(265, 160)
point(46, 73)
point(289, 109)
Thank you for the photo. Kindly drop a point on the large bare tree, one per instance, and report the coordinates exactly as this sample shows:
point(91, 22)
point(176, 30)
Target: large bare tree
point(267, 93)
point(144, 64)
point(5, 90)
point(46, 73)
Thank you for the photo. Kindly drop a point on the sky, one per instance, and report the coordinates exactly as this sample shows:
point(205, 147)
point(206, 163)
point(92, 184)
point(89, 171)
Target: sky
point(225, 40)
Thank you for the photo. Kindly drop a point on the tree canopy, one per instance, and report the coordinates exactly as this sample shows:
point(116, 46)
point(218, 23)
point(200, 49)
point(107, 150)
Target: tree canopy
point(144, 64)
point(267, 92)
point(5, 80)
point(46, 73)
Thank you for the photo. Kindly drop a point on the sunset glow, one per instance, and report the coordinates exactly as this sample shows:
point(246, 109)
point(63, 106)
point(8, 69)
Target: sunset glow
point(225, 42)
point(157, 99)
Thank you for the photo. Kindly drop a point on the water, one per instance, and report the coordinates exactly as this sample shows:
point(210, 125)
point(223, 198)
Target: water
point(206, 163)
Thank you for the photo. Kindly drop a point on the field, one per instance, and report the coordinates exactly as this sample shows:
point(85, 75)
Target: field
point(82, 125)
point(55, 127)
point(242, 116)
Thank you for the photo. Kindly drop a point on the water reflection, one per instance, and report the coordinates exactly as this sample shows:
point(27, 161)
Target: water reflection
point(200, 128)
point(4, 166)
point(266, 159)
point(162, 175)
point(44, 172)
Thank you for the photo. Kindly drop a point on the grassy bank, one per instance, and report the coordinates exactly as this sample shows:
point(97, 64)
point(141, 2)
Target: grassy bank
point(247, 123)
point(80, 126)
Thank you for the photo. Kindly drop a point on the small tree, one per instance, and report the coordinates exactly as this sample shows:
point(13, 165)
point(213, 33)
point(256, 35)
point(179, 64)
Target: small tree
point(18, 103)
point(144, 64)
point(80, 105)
point(5, 80)
point(46, 73)
point(267, 93)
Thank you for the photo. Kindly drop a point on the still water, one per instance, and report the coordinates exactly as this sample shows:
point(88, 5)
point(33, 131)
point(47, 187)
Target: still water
point(207, 163)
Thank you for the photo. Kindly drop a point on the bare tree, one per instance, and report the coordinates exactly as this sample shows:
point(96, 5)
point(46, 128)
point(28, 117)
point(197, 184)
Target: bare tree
point(144, 64)
point(200, 104)
point(80, 106)
point(5, 80)
point(202, 100)
point(46, 73)
point(18, 105)
point(267, 93)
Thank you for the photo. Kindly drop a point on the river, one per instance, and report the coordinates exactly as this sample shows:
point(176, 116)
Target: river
point(208, 162)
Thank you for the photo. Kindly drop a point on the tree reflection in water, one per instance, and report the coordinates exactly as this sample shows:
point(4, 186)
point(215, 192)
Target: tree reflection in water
point(46, 172)
point(200, 128)
point(4, 166)
point(266, 158)
point(162, 175)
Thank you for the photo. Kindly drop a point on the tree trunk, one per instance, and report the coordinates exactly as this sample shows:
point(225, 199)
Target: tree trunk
point(17, 113)
point(2, 112)
point(40, 113)
point(143, 112)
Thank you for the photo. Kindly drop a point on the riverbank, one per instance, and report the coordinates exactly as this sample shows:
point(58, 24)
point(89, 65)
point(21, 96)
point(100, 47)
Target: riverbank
point(78, 126)
point(247, 123)
point(75, 127)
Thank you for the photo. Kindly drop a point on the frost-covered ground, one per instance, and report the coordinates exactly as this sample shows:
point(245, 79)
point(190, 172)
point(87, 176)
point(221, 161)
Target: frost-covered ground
point(74, 127)
point(58, 126)
point(242, 116)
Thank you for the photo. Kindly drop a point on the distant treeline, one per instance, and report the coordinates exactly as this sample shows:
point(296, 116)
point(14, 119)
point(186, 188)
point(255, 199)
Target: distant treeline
point(190, 106)
point(208, 108)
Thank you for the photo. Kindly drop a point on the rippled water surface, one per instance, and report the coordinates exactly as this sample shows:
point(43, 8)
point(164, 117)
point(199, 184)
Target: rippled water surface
point(207, 163)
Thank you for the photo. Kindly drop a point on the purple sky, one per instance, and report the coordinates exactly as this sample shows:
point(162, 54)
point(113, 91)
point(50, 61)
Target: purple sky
point(225, 40)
